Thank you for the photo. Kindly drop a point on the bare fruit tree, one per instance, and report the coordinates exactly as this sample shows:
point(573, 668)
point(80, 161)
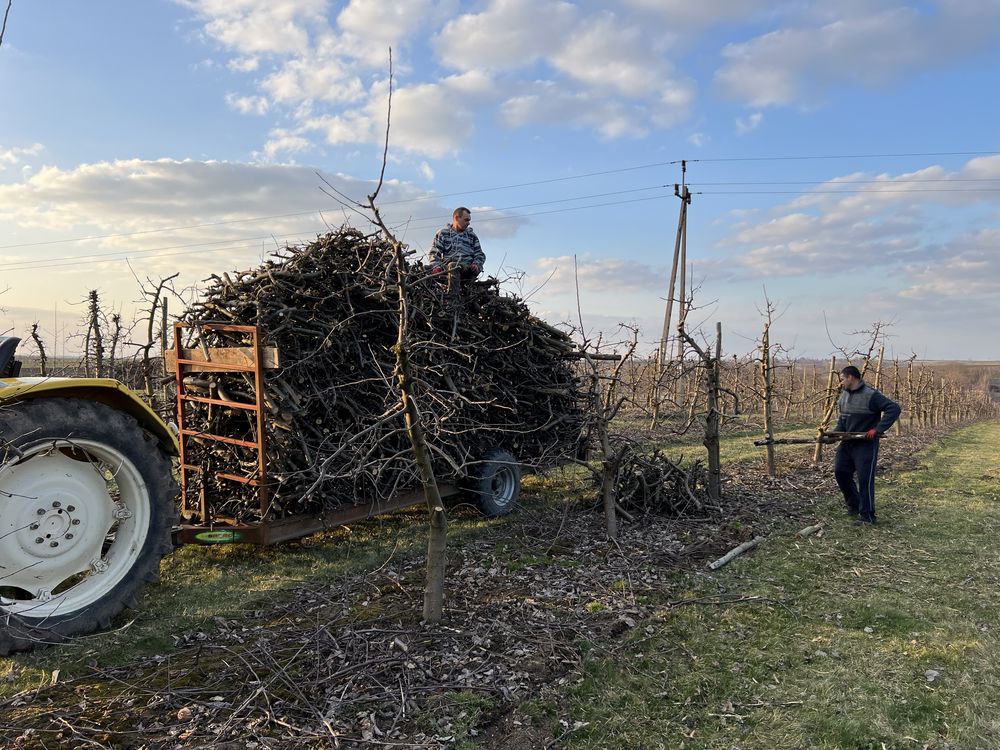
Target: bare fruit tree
point(711, 364)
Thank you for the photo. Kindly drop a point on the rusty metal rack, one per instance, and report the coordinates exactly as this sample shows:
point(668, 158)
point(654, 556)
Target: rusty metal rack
point(248, 360)
point(199, 525)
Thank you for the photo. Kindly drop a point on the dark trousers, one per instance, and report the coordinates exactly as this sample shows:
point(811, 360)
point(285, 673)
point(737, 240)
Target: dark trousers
point(857, 457)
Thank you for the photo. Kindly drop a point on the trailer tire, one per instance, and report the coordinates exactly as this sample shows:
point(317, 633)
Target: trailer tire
point(494, 483)
point(87, 503)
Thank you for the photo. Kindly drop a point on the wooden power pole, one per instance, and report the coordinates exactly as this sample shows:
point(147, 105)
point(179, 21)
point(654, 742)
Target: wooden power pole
point(680, 259)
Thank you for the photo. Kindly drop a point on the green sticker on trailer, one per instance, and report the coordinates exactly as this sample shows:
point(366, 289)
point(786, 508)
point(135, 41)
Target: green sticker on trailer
point(218, 537)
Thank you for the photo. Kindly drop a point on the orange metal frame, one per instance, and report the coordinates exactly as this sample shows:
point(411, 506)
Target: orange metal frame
point(199, 525)
point(259, 480)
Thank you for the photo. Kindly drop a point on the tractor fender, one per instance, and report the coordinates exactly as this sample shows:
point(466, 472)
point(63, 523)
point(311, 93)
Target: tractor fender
point(103, 390)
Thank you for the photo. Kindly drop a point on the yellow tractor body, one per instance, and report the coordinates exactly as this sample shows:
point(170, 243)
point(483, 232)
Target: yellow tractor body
point(87, 503)
point(103, 390)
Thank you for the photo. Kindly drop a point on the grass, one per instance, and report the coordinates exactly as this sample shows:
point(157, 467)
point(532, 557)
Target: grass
point(200, 584)
point(882, 637)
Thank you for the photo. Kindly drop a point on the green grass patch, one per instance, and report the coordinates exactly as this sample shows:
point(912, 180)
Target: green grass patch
point(862, 638)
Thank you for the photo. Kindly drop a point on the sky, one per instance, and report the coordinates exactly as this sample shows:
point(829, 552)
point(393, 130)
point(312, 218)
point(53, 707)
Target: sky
point(843, 157)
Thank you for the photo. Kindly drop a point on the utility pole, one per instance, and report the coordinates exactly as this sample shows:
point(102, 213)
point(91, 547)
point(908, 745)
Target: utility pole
point(680, 259)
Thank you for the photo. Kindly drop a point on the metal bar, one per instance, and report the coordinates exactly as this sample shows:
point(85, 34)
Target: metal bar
point(294, 527)
point(221, 402)
point(228, 327)
point(181, 420)
point(236, 478)
point(192, 467)
point(221, 366)
point(219, 438)
point(262, 490)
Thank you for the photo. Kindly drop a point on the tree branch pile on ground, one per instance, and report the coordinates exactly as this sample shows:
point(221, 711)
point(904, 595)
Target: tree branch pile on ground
point(653, 483)
point(491, 375)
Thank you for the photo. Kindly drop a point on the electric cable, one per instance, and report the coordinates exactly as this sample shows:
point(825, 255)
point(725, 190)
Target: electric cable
point(432, 196)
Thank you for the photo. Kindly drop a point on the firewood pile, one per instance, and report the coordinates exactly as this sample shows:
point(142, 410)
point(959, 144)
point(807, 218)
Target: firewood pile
point(489, 375)
point(653, 483)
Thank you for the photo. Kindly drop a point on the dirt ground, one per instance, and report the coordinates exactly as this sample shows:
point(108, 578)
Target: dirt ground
point(352, 665)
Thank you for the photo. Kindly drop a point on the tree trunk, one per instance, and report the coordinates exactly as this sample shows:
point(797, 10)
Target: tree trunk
point(712, 420)
point(831, 402)
point(42, 359)
point(437, 535)
point(766, 375)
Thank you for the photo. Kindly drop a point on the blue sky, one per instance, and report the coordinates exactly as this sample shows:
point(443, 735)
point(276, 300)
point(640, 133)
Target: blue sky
point(187, 135)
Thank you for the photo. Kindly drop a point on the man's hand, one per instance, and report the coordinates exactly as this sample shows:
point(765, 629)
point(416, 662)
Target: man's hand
point(871, 434)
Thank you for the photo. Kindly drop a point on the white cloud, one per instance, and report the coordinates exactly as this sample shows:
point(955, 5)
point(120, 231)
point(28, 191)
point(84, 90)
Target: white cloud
point(313, 66)
point(862, 43)
point(10, 157)
point(597, 275)
point(166, 215)
point(703, 13)
point(370, 27)
point(861, 220)
point(508, 34)
point(247, 105)
point(964, 270)
point(431, 118)
point(427, 171)
point(244, 64)
point(698, 139)
point(282, 141)
point(610, 56)
point(549, 102)
point(252, 27)
point(138, 195)
point(313, 77)
point(744, 126)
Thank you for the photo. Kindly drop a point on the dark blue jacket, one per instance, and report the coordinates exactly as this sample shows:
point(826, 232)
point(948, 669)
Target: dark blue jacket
point(864, 408)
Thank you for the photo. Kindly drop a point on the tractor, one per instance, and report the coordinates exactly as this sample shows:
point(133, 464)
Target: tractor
point(87, 502)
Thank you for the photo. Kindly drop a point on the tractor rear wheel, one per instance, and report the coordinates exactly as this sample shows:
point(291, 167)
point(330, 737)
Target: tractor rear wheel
point(87, 502)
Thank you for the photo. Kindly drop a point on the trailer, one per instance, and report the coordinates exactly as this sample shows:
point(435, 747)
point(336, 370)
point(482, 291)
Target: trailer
point(95, 489)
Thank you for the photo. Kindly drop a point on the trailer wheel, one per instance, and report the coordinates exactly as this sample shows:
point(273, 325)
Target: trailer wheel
point(495, 483)
point(86, 509)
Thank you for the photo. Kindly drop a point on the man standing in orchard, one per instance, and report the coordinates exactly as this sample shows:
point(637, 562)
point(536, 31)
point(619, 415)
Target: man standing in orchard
point(456, 248)
point(862, 409)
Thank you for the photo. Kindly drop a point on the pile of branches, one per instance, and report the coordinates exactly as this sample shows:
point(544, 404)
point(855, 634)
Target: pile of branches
point(652, 483)
point(488, 373)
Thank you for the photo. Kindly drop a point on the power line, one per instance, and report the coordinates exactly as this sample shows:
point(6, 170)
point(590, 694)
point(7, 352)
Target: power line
point(433, 196)
point(185, 249)
point(296, 234)
point(542, 182)
point(848, 183)
point(124, 255)
point(428, 196)
point(845, 192)
point(842, 156)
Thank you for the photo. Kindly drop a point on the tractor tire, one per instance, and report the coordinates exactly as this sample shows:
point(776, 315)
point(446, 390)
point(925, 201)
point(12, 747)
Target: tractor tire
point(87, 503)
point(494, 483)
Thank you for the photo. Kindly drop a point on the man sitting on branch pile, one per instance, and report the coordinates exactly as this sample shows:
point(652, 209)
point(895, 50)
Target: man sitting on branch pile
point(456, 248)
